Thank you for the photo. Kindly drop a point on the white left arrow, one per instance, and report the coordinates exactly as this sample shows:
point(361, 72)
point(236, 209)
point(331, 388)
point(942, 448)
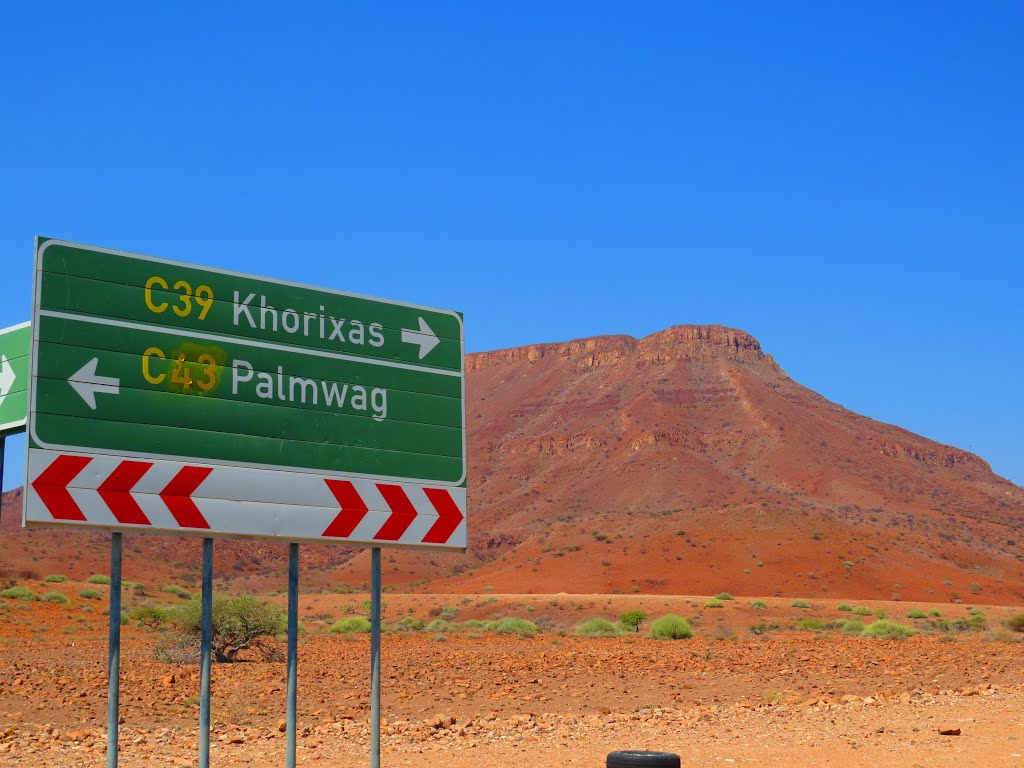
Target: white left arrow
point(7, 378)
point(87, 383)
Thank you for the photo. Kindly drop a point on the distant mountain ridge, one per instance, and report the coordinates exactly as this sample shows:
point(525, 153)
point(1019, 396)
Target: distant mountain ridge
point(688, 462)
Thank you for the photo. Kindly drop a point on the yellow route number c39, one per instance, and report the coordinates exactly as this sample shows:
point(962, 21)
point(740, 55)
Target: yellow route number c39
point(183, 302)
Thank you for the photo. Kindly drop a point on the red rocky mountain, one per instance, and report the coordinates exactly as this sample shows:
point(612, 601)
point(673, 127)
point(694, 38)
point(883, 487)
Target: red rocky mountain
point(685, 462)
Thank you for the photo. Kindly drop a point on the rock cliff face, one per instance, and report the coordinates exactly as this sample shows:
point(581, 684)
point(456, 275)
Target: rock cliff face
point(685, 462)
point(681, 342)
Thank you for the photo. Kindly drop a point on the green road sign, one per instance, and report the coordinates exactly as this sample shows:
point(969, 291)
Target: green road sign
point(154, 359)
point(15, 343)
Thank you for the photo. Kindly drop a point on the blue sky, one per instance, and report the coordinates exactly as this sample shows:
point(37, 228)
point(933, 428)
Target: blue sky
point(843, 181)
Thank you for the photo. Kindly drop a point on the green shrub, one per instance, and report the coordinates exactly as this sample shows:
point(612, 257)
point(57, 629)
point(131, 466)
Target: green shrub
point(762, 628)
point(800, 604)
point(633, 619)
point(853, 627)
point(714, 602)
point(844, 607)
point(55, 597)
point(150, 616)
point(879, 613)
point(1015, 623)
point(724, 596)
point(759, 604)
point(439, 625)
point(19, 593)
point(861, 610)
point(174, 589)
point(671, 627)
point(98, 578)
point(521, 627)
point(239, 624)
point(597, 627)
point(55, 578)
point(916, 613)
point(90, 594)
point(811, 624)
point(351, 624)
point(411, 624)
point(888, 629)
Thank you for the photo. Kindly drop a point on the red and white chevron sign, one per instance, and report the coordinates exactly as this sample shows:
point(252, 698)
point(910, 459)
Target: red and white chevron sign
point(111, 492)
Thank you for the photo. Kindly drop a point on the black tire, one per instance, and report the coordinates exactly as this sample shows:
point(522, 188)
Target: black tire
point(633, 759)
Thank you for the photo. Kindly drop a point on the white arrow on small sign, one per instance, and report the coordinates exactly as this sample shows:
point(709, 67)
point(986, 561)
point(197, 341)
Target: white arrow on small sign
point(87, 383)
point(7, 377)
point(424, 337)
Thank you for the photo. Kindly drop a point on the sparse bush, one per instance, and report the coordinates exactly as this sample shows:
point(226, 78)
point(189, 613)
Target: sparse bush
point(853, 627)
point(55, 578)
point(800, 604)
point(520, 627)
point(597, 627)
point(55, 597)
point(174, 589)
point(351, 625)
point(19, 593)
point(439, 625)
point(916, 613)
point(935, 612)
point(724, 596)
point(844, 607)
point(633, 619)
point(150, 616)
point(887, 629)
point(861, 610)
point(242, 624)
point(714, 602)
point(410, 623)
point(759, 604)
point(1015, 623)
point(879, 613)
point(90, 594)
point(808, 624)
point(763, 628)
point(98, 578)
point(671, 627)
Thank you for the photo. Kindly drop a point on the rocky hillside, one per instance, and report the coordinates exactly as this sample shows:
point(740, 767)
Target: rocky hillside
point(683, 462)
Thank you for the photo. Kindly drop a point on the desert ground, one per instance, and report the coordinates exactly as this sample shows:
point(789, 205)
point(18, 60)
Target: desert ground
point(752, 687)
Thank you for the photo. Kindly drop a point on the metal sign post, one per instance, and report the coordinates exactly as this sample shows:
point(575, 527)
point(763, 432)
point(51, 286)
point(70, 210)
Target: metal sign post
point(375, 658)
point(293, 649)
point(205, 641)
point(114, 651)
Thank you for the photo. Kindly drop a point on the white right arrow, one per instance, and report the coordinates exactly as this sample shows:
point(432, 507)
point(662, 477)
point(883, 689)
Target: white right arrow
point(7, 378)
point(424, 337)
point(87, 383)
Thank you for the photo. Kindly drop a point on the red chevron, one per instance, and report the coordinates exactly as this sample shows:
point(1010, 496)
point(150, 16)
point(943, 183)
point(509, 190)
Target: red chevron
point(116, 492)
point(178, 496)
point(448, 516)
point(402, 513)
point(353, 508)
point(52, 487)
